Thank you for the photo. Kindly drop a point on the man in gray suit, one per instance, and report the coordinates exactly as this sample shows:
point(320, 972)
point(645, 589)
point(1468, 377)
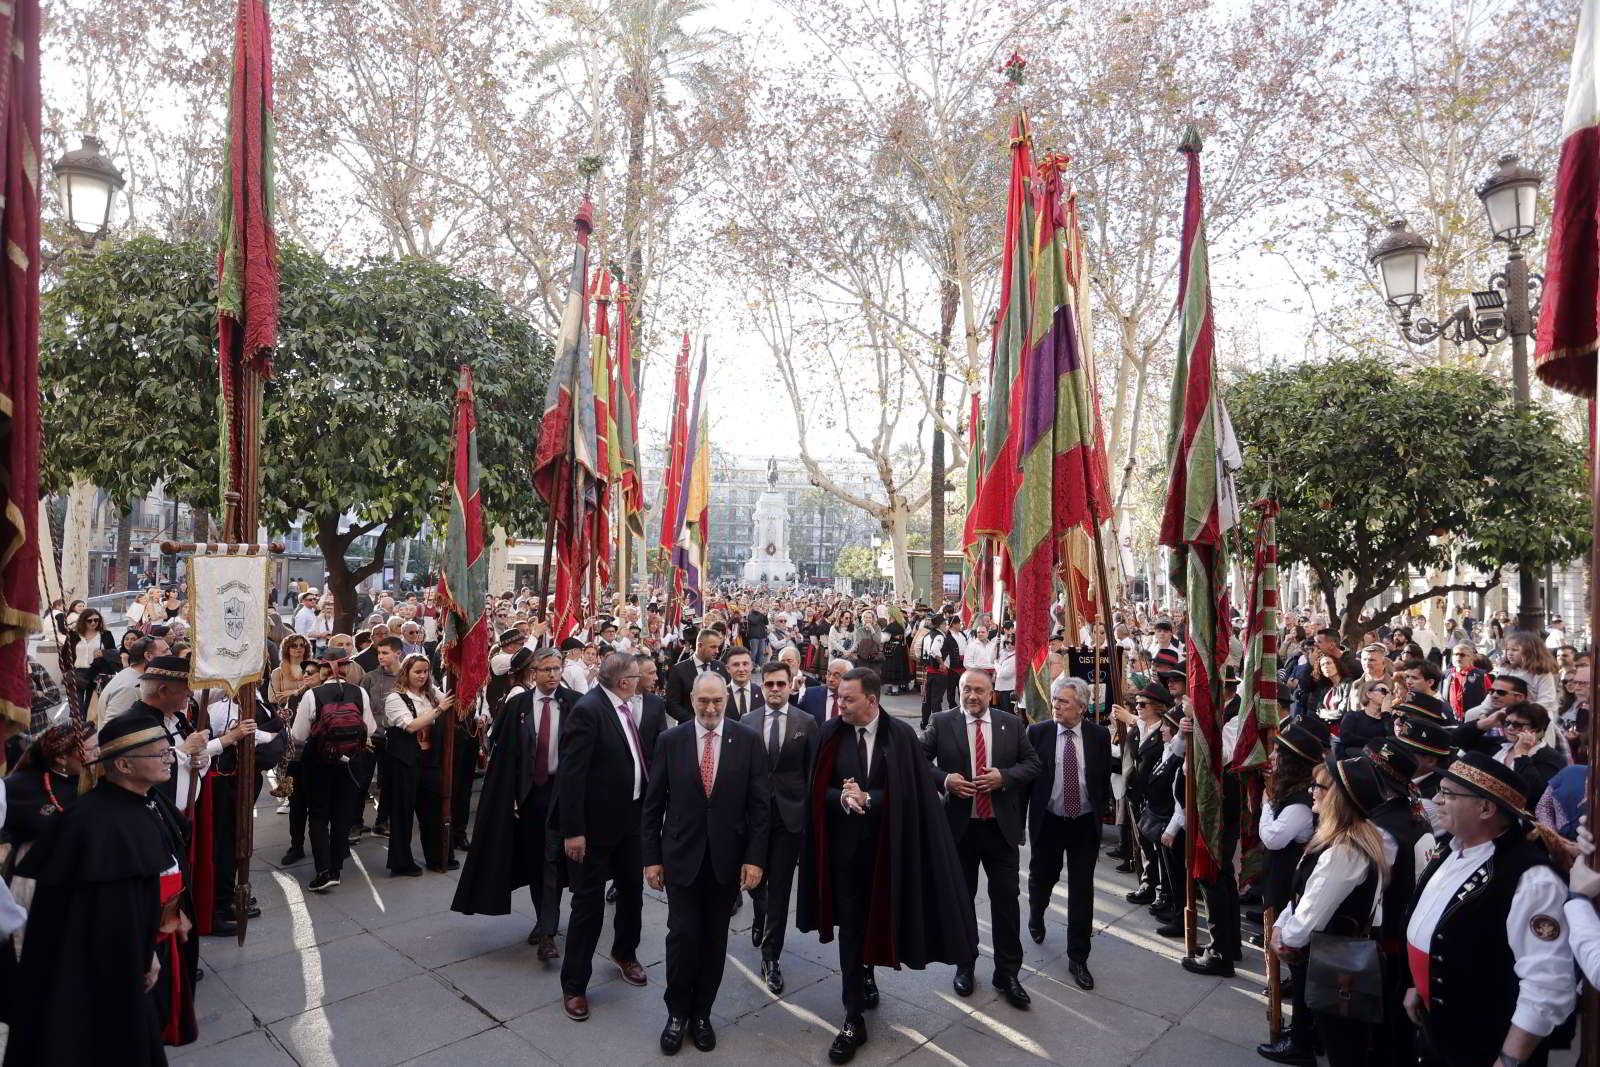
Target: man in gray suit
point(789, 738)
point(987, 766)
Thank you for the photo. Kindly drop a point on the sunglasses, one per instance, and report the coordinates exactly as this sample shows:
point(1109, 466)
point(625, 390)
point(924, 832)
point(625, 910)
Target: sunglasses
point(1378, 689)
point(1502, 692)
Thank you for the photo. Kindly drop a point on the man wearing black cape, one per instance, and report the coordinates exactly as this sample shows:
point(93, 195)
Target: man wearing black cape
point(878, 860)
point(512, 845)
point(109, 882)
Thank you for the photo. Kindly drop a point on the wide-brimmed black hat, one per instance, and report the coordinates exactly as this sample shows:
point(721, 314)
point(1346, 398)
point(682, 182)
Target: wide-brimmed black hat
point(1492, 780)
point(511, 635)
point(335, 654)
point(1423, 736)
point(572, 644)
point(1398, 763)
point(129, 731)
point(1424, 706)
point(1361, 781)
point(1166, 659)
point(1306, 738)
point(1156, 693)
point(521, 660)
point(168, 668)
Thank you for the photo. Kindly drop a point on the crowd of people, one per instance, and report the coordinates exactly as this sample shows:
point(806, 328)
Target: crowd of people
point(1421, 789)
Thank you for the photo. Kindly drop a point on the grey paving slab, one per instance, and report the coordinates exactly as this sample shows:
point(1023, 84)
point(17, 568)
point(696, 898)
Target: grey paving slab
point(1235, 1011)
point(220, 1015)
point(1187, 1046)
point(294, 982)
point(622, 1029)
point(290, 928)
point(255, 1049)
point(804, 1024)
point(384, 1026)
point(1140, 970)
point(511, 982)
point(498, 1047)
point(969, 1043)
point(445, 937)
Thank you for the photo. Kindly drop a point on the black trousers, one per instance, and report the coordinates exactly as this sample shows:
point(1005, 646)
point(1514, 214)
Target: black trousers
point(362, 767)
point(541, 843)
point(1301, 1026)
point(331, 790)
point(461, 787)
point(297, 805)
point(1074, 843)
point(1174, 873)
point(621, 863)
point(983, 845)
point(223, 835)
point(936, 696)
point(414, 797)
point(852, 895)
point(771, 897)
point(698, 914)
point(1346, 1043)
point(1222, 914)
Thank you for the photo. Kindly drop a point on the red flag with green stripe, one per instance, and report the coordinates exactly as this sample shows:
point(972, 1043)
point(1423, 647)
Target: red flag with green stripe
point(1200, 508)
point(1061, 494)
point(464, 581)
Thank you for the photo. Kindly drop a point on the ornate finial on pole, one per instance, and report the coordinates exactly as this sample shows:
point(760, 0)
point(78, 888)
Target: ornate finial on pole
point(588, 167)
point(1013, 68)
point(1191, 139)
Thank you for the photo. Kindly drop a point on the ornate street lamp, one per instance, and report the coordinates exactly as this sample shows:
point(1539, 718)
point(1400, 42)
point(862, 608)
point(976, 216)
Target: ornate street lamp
point(89, 183)
point(1507, 309)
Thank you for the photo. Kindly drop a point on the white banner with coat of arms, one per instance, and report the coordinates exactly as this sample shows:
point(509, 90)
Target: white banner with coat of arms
point(228, 620)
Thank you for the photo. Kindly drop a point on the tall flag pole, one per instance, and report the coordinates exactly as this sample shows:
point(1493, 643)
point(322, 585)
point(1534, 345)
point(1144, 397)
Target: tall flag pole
point(999, 473)
point(1201, 508)
point(605, 434)
point(463, 590)
point(247, 332)
point(672, 484)
point(694, 497)
point(1258, 686)
point(1569, 335)
point(1061, 495)
point(564, 462)
point(625, 408)
point(974, 555)
point(19, 365)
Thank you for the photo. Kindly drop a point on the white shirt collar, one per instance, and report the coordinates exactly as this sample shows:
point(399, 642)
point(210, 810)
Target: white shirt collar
point(781, 709)
point(871, 728)
point(615, 700)
point(700, 731)
point(1477, 853)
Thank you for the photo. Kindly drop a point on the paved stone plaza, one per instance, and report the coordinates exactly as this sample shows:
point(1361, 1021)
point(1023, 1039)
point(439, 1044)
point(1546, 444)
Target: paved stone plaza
point(380, 971)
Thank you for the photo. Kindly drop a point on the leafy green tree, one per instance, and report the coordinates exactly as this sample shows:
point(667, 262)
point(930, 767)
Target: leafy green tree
point(858, 562)
point(1381, 471)
point(356, 420)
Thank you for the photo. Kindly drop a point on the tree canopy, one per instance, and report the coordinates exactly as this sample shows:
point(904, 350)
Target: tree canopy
point(1381, 471)
point(356, 420)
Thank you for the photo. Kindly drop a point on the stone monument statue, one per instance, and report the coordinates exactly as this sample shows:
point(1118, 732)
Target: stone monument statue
point(769, 562)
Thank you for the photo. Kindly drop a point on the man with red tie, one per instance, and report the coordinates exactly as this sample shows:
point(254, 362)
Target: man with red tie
point(985, 766)
point(510, 844)
point(704, 839)
point(1064, 812)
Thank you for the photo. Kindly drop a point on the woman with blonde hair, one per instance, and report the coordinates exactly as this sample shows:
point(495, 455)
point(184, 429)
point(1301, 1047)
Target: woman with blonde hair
point(1338, 890)
point(287, 683)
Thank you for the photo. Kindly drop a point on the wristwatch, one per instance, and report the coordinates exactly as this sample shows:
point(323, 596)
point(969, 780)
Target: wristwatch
point(1508, 1060)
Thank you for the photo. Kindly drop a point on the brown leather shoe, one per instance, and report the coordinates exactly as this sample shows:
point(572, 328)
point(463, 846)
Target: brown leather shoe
point(547, 948)
point(632, 971)
point(577, 1008)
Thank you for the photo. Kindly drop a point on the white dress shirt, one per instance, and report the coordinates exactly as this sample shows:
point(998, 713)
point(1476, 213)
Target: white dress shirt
point(872, 746)
point(1005, 671)
point(1583, 933)
point(752, 699)
point(980, 654)
point(1340, 870)
point(304, 620)
point(222, 714)
point(700, 735)
point(397, 714)
point(830, 704)
point(1291, 826)
point(765, 721)
point(575, 676)
point(120, 693)
point(539, 699)
point(301, 730)
point(1546, 990)
point(624, 713)
point(1057, 801)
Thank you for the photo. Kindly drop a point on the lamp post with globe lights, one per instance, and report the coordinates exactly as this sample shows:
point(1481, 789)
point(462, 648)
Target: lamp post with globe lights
point(89, 183)
point(1507, 309)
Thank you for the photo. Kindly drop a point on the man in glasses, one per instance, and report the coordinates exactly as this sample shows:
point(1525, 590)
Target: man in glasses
point(789, 738)
point(1521, 728)
point(105, 917)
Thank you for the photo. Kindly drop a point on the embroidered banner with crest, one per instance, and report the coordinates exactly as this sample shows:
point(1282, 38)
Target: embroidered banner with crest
point(227, 620)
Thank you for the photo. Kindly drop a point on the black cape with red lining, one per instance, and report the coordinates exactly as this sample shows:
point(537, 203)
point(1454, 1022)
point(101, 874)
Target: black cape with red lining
point(920, 911)
point(79, 997)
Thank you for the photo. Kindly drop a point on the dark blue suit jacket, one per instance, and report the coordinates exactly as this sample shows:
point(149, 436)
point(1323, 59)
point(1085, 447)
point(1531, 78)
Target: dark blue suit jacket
point(815, 703)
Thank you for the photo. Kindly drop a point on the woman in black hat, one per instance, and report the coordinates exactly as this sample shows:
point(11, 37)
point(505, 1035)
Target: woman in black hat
point(1337, 890)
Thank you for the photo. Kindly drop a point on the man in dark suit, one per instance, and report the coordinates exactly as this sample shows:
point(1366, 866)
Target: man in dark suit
point(1064, 809)
point(648, 707)
point(704, 837)
point(788, 738)
point(869, 762)
point(985, 766)
point(744, 692)
point(680, 679)
point(600, 787)
point(821, 702)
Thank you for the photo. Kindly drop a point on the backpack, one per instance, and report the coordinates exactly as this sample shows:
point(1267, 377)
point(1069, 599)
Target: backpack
point(339, 731)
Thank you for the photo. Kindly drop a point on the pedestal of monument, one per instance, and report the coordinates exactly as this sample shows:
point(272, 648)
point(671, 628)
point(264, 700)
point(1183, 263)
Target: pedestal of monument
point(769, 562)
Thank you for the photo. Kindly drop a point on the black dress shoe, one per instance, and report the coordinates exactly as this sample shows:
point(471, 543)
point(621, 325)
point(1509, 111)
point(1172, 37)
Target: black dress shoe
point(1171, 928)
point(1012, 989)
point(773, 973)
point(852, 1037)
point(1125, 867)
point(1284, 1050)
point(223, 926)
point(1160, 904)
point(1036, 930)
point(460, 843)
point(869, 990)
point(1143, 895)
point(672, 1034)
point(700, 1032)
point(291, 857)
point(1208, 963)
point(1116, 852)
point(1080, 974)
point(963, 982)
